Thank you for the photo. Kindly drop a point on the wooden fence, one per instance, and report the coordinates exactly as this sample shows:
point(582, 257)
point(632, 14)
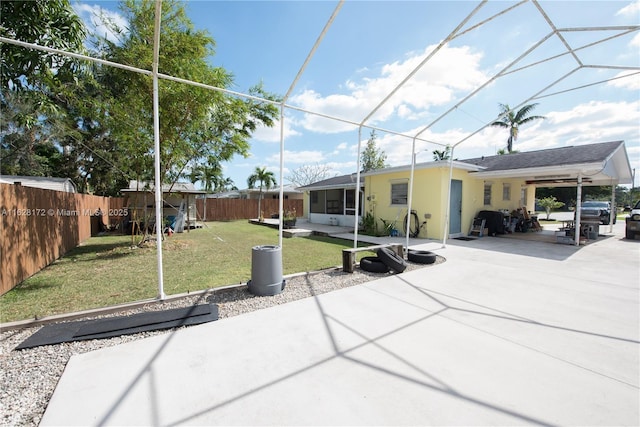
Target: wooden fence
point(39, 226)
point(232, 209)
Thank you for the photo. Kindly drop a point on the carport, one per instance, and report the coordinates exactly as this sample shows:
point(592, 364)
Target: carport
point(605, 164)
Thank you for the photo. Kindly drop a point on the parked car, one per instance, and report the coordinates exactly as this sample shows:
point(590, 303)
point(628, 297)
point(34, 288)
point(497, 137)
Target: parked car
point(632, 226)
point(597, 209)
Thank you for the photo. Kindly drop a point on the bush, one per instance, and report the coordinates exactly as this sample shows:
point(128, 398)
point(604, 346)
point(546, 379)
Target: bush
point(549, 203)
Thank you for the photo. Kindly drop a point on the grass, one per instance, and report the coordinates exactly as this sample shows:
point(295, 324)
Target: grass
point(105, 270)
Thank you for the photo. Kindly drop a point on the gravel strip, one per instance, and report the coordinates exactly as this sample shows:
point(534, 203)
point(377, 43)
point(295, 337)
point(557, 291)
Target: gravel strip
point(28, 377)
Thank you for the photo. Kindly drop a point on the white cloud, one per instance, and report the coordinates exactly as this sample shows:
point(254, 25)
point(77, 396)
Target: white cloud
point(298, 157)
point(586, 123)
point(632, 82)
point(450, 71)
point(272, 134)
point(632, 9)
point(100, 21)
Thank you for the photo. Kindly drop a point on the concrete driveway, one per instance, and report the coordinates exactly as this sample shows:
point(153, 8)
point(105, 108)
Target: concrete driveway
point(505, 332)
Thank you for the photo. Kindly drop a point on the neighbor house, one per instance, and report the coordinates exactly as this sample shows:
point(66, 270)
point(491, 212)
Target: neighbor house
point(333, 201)
point(178, 201)
point(457, 190)
point(289, 192)
point(47, 183)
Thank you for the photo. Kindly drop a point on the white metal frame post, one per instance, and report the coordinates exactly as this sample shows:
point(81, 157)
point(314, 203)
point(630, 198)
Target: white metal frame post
point(156, 140)
point(410, 195)
point(358, 167)
point(578, 210)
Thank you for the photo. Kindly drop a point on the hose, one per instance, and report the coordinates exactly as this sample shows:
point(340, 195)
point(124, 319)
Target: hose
point(414, 227)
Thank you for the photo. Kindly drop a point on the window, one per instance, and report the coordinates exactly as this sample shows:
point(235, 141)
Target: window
point(350, 202)
point(487, 193)
point(506, 191)
point(317, 201)
point(335, 202)
point(399, 193)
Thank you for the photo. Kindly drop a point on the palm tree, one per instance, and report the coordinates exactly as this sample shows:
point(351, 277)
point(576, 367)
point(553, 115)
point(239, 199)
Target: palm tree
point(513, 120)
point(266, 180)
point(442, 154)
point(227, 184)
point(208, 175)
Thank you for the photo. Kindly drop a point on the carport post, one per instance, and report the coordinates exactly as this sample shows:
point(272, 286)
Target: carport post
point(578, 210)
point(614, 212)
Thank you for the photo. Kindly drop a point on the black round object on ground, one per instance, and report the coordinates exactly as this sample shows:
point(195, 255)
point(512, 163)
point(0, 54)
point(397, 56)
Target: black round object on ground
point(421, 257)
point(373, 264)
point(392, 259)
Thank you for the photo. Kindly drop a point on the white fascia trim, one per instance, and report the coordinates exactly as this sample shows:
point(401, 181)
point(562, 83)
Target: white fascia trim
point(426, 165)
point(334, 187)
point(545, 171)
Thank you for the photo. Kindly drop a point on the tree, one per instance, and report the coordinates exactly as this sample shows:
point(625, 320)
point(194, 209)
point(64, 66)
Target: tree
point(308, 174)
point(442, 154)
point(226, 184)
point(265, 178)
point(513, 120)
point(34, 122)
point(208, 175)
point(373, 158)
point(50, 23)
point(549, 203)
point(198, 126)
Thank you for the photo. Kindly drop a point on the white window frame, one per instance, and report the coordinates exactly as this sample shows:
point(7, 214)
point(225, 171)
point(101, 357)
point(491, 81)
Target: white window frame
point(405, 183)
point(506, 191)
point(487, 193)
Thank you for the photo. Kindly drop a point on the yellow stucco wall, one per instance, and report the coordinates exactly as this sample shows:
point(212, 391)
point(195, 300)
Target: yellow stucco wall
point(430, 190)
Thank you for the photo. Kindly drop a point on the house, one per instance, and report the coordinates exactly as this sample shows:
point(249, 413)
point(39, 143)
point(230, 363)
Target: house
point(453, 192)
point(333, 201)
point(179, 199)
point(289, 192)
point(46, 183)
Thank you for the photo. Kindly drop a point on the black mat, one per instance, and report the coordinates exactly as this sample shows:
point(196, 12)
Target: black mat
point(122, 325)
point(466, 239)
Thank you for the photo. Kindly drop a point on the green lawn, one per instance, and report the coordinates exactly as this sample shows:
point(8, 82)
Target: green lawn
point(105, 270)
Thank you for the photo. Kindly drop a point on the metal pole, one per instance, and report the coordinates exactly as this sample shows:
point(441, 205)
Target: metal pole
point(281, 201)
point(578, 210)
point(156, 140)
point(448, 205)
point(355, 225)
point(614, 212)
point(409, 201)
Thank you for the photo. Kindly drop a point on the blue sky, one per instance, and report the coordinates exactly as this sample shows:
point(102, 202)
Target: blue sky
point(373, 45)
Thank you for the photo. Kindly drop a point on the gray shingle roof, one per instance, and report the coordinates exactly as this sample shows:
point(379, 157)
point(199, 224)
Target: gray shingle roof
point(590, 153)
point(337, 181)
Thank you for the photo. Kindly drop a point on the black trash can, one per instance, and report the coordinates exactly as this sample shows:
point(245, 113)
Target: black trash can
point(266, 270)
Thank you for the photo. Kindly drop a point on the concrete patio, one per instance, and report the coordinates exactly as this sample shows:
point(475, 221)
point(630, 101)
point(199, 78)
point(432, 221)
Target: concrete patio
point(505, 332)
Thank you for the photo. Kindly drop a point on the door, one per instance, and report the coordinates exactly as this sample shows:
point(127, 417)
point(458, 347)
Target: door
point(455, 208)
